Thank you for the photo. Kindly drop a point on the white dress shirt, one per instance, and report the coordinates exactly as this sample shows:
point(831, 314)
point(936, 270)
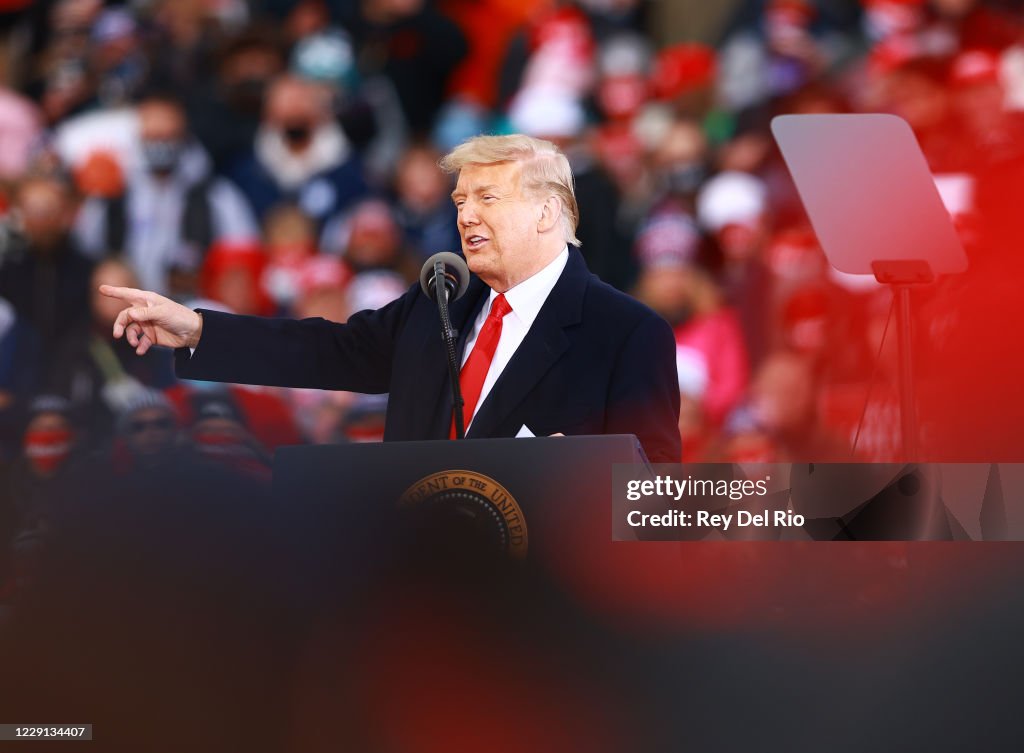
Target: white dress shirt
point(526, 300)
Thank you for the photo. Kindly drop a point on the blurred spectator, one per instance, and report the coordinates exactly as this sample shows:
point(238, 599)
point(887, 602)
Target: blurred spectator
point(732, 207)
point(34, 489)
point(364, 420)
point(290, 237)
point(263, 410)
point(683, 77)
point(490, 27)
point(795, 260)
point(19, 355)
point(680, 161)
point(555, 53)
point(20, 130)
point(287, 229)
point(973, 23)
point(117, 57)
point(42, 273)
point(233, 275)
point(710, 355)
point(173, 208)
point(366, 108)
point(102, 376)
point(665, 244)
point(187, 34)
point(680, 278)
point(603, 230)
point(369, 238)
point(916, 90)
point(61, 78)
point(300, 154)
point(780, 422)
point(991, 133)
point(885, 19)
point(373, 289)
point(330, 417)
point(301, 19)
point(623, 87)
point(147, 428)
point(219, 435)
point(414, 45)
point(224, 110)
point(320, 414)
point(99, 147)
point(786, 48)
point(609, 17)
point(424, 208)
point(48, 442)
point(804, 322)
point(327, 301)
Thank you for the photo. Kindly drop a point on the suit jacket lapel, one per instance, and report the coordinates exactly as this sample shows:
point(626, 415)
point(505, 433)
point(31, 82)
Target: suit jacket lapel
point(543, 345)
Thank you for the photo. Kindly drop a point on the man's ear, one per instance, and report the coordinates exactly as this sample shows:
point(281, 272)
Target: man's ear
point(550, 214)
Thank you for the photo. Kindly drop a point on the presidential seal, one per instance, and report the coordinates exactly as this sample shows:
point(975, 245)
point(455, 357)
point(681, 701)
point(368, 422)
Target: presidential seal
point(477, 505)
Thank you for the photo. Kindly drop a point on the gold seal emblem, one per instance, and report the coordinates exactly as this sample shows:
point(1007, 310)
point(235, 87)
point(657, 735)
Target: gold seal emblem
point(473, 497)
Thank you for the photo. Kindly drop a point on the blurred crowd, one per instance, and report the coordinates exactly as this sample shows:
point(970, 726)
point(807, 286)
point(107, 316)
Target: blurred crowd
point(278, 157)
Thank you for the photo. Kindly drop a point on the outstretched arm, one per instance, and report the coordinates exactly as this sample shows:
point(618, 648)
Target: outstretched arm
point(312, 353)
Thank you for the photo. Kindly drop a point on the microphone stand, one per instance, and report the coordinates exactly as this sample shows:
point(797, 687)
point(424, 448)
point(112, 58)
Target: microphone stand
point(450, 336)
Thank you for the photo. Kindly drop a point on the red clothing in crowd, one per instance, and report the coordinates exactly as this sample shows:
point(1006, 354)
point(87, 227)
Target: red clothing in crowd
point(489, 26)
point(715, 341)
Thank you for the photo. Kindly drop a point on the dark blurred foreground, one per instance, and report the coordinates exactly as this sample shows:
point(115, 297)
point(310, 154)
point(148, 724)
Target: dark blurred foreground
point(187, 610)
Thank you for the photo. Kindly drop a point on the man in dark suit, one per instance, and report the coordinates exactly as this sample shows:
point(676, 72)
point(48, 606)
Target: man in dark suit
point(546, 347)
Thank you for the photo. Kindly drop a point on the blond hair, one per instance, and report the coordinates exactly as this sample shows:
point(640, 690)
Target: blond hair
point(545, 170)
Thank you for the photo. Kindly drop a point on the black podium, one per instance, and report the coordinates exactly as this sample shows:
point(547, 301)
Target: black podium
point(352, 507)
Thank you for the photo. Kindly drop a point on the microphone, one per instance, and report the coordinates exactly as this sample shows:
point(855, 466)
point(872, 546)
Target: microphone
point(449, 271)
point(455, 276)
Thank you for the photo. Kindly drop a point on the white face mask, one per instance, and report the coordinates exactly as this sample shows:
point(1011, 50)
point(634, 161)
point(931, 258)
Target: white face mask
point(161, 155)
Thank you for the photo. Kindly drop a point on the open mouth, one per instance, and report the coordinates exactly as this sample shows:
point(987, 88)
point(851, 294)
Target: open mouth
point(474, 242)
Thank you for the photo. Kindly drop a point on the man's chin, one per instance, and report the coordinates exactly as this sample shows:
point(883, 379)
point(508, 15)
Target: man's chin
point(480, 268)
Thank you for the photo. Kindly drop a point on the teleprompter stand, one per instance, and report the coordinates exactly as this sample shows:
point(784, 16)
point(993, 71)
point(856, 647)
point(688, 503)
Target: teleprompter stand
point(875, 208)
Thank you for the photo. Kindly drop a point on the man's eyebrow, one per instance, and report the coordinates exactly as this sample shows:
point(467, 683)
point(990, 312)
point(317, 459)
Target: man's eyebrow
point(478, 189)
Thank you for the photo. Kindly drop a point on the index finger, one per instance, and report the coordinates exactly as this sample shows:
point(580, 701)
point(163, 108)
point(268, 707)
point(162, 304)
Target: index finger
point(132, 295)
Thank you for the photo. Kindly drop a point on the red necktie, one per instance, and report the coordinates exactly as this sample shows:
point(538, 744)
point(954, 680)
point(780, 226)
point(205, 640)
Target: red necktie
point(474, 371)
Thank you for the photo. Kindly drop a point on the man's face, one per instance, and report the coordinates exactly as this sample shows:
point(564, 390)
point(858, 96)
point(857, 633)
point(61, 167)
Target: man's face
point(46, 212)
point(782, 394)
point(498, 224)
point(161, 121)
point(162, 134)
point(151, 431)
point(420, 185)
point(292, 108)
point(374, 238)
point(668, 290)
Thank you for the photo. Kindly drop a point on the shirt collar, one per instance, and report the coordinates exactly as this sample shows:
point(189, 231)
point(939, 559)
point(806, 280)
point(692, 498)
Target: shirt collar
point(527, 297)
